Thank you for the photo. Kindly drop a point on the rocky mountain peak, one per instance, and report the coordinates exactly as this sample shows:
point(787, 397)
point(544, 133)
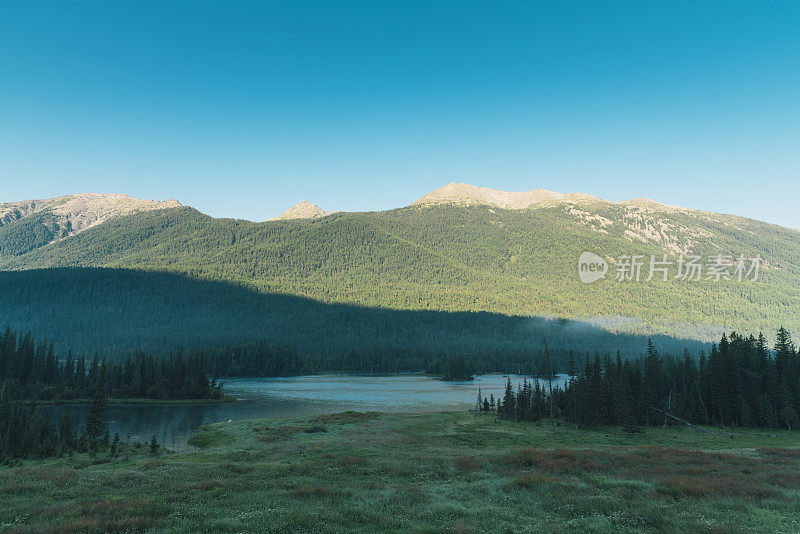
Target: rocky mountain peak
point(471, 195)
point(302, 210)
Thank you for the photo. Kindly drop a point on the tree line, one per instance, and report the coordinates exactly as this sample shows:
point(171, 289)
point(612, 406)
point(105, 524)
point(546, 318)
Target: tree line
point(267, 359)
point(25, 432)
point(740, 382)
point(30, 370)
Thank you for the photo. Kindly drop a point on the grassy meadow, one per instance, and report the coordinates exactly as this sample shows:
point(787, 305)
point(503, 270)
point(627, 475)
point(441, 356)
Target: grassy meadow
point(441, 472)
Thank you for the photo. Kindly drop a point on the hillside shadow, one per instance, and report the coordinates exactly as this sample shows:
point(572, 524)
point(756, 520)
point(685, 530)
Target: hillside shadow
point(118, 311)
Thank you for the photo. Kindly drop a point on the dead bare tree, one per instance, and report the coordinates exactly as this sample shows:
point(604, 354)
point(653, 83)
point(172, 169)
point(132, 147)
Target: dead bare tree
point(680, 420)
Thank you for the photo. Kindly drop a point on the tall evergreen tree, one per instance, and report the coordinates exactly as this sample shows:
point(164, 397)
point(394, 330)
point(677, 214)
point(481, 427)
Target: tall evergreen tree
point(96, 419)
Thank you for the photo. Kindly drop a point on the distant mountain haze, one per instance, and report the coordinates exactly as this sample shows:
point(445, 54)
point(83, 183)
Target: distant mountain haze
point(458, 248)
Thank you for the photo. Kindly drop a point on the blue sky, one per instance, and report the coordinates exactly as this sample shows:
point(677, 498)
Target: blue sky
point(242, 109)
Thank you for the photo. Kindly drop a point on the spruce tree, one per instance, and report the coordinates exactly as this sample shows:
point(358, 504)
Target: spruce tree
point(96, 419)
point(509, 401)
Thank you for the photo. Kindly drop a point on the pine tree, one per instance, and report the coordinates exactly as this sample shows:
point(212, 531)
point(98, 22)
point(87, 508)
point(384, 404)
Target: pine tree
point(509, 405)
point(96, 419)
point(654, 387)
point(572, 376)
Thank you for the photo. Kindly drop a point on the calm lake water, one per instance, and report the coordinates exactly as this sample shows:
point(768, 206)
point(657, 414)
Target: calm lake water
point(299, 396)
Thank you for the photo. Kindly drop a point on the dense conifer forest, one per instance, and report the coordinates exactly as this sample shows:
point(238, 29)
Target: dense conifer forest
point(30, 370)
point(740, 383)
point(454, 259)
point(25, 432)
point(122, 311)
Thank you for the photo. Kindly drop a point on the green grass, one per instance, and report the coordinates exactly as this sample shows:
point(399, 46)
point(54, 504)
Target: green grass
point(442, 472)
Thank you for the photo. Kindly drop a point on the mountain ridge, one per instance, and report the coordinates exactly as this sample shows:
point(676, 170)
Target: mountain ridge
point(53, 219)
point(110, 205)
point(93, 206)
point(464, 194)
point(452, 257)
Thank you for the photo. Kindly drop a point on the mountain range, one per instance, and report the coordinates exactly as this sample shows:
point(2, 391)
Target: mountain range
point(460, 248)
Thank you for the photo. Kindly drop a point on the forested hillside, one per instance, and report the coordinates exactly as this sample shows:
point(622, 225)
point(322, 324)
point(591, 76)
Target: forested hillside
point(466, 258)
point(118, 311)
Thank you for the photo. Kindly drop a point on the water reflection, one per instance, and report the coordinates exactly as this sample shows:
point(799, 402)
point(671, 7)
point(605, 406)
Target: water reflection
point(298, 396)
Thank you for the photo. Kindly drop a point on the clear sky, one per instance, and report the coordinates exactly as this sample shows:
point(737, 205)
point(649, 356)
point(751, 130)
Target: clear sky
point(242, 109)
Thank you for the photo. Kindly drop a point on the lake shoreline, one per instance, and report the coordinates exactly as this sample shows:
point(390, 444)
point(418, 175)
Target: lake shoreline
point(173, 421)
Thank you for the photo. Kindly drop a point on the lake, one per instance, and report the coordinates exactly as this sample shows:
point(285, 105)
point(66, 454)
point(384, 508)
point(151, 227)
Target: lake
point(298, 396)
